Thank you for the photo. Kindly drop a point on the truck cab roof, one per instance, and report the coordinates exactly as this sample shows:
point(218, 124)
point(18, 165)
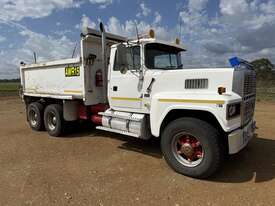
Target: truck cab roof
point(158, 41)
point(120, 39)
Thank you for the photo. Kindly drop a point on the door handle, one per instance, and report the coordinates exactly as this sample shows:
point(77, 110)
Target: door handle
point(115, 88)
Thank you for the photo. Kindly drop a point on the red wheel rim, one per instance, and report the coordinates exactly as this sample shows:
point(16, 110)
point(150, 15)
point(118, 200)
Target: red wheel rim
point(188, 150)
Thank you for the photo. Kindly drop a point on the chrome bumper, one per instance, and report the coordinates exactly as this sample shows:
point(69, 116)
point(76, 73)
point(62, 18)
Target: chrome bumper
point(238, 139)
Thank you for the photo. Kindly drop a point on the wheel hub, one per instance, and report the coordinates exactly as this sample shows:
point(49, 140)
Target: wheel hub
point(52, 121)
point(33, 117)
point(187, 149)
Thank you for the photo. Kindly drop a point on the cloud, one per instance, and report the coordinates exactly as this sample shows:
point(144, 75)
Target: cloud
point(240, 27)
point(62, 32)
point(217, 47)
point(86, 22)
point(102, 3)
point(2, 38)
point(255, 40)
point(197, 5)
point(18, 9)
point(234, 7)
point(145, 11)
point(158, 18)
point(47, 47)
point(128, 28)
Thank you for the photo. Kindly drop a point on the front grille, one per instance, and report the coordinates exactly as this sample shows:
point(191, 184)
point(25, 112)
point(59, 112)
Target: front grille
point(249, 83)
point(248, 110)
point(249, 96)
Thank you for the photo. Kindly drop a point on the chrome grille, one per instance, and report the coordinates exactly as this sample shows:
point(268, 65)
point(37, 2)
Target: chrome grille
point(249, 83)
point(249, 96)
point(248, 108)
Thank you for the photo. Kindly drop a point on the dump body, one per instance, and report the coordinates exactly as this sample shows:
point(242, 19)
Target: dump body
point(63, 79)
point(71, 79)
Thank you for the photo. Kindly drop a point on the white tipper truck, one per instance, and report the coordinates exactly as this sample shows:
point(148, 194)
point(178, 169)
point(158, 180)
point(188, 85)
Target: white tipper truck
point(139, 88)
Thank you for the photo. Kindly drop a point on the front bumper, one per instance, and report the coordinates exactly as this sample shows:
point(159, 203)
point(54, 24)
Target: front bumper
point(238, 139)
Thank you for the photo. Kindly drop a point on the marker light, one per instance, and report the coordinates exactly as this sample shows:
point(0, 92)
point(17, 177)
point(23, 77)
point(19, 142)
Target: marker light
point(151, 33)
point(221, 90)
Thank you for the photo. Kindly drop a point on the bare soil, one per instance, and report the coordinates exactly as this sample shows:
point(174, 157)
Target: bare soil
point(89, 167)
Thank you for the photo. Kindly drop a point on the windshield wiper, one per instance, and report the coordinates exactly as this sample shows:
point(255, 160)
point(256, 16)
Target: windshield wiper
point(170, 67)
point(180, 66)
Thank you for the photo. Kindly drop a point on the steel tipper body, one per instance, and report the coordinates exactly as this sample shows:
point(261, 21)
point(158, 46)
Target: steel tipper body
point(49, 79)
point(139, 88)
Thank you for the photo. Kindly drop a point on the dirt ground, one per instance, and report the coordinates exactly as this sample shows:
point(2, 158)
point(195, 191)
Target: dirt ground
point(90, 167)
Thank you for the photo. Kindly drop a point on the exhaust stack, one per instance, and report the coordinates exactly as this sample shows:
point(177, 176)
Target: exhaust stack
point(104, 61)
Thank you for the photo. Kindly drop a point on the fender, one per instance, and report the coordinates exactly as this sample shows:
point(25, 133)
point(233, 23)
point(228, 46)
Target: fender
point(163, 103)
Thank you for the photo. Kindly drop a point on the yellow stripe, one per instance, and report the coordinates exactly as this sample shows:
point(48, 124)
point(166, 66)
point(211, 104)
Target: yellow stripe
point(73, 91)
point(193, 101)
point(126, 98)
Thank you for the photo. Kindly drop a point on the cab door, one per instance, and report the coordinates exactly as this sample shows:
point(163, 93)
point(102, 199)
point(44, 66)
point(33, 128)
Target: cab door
point(124, 89)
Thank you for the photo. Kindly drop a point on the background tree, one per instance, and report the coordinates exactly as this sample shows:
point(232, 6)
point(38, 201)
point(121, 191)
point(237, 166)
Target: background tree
point(265, 71)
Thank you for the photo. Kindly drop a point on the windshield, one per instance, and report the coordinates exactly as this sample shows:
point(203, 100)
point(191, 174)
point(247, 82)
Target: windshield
point(160, 56)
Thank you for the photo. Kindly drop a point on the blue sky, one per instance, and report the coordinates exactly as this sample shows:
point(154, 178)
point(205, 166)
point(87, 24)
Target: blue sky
point(212, 30)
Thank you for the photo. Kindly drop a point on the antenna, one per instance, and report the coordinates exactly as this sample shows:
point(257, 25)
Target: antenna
point(34, 57)
point(74, 50)
point(180, 28)
point(137, 32)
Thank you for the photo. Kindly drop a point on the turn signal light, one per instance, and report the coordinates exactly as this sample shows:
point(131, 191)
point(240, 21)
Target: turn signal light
point(221, 90)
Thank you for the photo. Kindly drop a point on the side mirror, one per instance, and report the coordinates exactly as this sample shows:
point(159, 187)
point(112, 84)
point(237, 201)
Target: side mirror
point(121, 58)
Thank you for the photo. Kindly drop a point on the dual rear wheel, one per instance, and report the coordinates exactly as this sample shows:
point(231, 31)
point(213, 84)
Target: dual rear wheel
point(50, 118)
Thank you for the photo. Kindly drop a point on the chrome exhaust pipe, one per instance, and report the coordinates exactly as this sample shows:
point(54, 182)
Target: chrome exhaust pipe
point(104, 61)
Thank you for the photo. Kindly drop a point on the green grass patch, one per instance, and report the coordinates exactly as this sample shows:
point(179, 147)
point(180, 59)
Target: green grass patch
point(9, 87)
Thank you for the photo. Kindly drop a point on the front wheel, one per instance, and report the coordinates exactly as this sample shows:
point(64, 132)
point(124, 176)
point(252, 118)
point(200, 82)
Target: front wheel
point(53, 120)
point(192, 147)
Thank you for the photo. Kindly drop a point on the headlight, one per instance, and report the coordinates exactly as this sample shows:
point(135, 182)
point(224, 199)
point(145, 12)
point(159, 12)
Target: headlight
point(233, 110)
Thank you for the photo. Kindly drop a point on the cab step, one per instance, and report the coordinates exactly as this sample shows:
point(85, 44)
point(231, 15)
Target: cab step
point(123, 115)
point(117, 131)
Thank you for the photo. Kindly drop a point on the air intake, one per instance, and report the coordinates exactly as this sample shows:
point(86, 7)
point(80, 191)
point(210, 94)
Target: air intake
point(196, 83)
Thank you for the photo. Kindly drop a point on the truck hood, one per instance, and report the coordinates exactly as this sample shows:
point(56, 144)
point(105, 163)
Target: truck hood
point(192, 80)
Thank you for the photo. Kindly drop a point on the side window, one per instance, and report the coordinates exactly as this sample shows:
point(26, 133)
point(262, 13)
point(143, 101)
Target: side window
point(116, 67)
point(133, 59)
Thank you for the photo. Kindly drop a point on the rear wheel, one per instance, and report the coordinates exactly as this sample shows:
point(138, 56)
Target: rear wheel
point(35, 116)
point(53, 120)
point(192, 147)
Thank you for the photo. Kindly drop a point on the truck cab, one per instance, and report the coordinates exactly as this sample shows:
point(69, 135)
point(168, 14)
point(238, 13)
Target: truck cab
point(140, 88)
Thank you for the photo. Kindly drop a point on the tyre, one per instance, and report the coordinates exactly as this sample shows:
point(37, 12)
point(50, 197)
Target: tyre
point(191, 147)
point(35, 116)
point(53, 120)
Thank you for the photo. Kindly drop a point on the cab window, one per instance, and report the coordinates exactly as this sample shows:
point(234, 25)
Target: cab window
point(133, 58)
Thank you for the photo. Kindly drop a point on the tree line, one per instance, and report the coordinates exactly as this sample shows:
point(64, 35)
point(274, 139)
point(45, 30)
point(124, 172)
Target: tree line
point(10, 80)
